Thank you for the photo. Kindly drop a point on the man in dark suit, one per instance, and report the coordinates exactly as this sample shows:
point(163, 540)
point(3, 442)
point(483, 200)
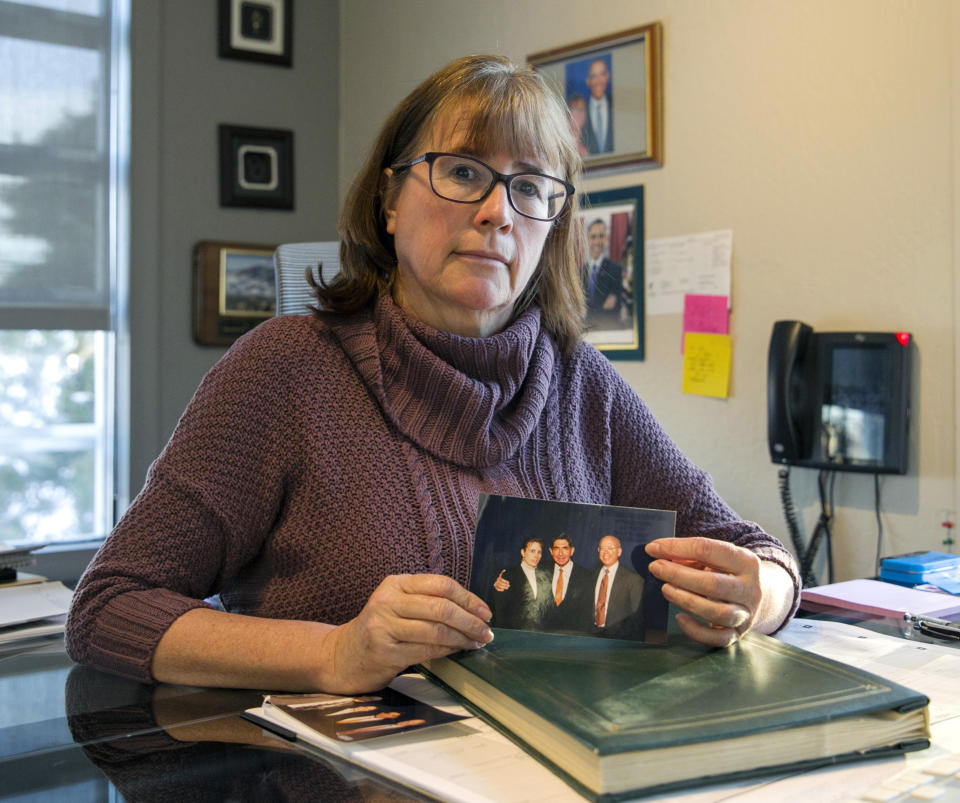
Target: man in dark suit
point(602, 281)
point(597, 131)
point(570, 590)
point(522, 593)
point(617, 595)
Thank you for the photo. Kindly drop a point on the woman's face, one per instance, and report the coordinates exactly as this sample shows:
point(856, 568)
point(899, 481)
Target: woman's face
point(461, 267)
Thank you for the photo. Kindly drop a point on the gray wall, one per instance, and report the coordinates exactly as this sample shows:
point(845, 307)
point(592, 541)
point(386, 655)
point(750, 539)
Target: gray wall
point(181, 91)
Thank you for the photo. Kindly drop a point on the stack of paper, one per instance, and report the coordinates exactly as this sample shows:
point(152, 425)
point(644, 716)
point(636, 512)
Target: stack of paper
point(880, 599)
point(33, 609)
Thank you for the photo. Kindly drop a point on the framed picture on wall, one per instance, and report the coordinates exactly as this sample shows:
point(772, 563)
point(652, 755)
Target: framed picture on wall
point(257, 30)
point(256, 167)
point(612, 274)
point(613, 88)
point(234, 290)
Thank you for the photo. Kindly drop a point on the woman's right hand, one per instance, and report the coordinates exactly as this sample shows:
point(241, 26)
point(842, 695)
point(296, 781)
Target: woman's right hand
point(408, 619)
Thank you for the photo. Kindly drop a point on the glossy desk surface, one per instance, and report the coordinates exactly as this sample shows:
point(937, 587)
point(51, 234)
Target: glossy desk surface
point(69, 732)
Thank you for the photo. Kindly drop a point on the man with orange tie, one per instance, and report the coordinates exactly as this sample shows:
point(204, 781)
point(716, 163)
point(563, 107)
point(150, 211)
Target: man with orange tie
point(617, 595)
point(571, 590)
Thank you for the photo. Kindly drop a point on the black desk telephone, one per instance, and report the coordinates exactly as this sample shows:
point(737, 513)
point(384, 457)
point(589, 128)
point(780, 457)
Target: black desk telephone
point(838, 400)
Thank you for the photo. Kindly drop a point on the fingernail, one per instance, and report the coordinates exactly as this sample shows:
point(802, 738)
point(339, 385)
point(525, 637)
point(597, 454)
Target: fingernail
point(482, 644)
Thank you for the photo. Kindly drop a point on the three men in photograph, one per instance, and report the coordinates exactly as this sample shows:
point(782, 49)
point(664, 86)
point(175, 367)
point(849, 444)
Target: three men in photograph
point(606, 601)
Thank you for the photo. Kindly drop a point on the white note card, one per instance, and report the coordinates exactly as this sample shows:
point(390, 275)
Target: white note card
point(694, 263)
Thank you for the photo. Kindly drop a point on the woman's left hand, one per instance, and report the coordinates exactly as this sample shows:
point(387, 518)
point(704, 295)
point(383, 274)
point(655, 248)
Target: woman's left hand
point(718, 582)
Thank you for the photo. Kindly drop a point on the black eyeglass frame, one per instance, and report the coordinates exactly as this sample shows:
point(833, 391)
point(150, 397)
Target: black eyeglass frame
point(507, 178)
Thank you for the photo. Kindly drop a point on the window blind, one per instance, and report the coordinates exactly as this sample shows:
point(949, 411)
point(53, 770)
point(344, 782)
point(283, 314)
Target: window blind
point(55, 168)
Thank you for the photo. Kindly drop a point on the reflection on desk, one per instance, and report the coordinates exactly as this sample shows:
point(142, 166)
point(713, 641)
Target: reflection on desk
point(70, 732)
point(149, 742)
point(211, 755)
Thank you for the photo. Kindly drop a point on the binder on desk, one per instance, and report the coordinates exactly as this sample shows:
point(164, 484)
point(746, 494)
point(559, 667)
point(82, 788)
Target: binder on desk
point(620, 719)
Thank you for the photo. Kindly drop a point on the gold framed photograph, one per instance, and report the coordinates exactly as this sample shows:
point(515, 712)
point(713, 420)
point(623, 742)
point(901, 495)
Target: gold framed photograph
point(234, 289)
point(613, 88)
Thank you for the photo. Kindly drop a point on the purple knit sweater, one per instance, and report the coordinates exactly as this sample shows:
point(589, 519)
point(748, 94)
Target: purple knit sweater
point(317, 457)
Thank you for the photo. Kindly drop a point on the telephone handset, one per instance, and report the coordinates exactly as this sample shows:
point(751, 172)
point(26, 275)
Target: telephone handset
point(789, 413)
point(836, 401)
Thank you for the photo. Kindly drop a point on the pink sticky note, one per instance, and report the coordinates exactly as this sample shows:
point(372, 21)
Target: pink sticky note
point(707, 314)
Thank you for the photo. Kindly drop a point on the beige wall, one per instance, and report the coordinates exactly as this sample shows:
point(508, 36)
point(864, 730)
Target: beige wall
point(824, 133)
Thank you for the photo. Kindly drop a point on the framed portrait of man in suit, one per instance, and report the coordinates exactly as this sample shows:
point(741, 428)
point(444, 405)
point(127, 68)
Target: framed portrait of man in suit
point(612, 272)
point(613, 88)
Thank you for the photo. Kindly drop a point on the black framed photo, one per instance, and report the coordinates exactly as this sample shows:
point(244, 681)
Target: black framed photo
point(234, 289)
point(613, 88)
point(257, 30)
point(256, 167)
point(613, 275)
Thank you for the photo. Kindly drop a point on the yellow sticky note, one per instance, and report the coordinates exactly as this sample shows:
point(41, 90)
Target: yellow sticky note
point(706, 364)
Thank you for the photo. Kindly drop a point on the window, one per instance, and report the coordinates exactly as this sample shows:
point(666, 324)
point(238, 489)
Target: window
point(63, 267)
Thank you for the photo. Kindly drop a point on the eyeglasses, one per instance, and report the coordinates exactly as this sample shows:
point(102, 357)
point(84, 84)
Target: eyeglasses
point(465, 180)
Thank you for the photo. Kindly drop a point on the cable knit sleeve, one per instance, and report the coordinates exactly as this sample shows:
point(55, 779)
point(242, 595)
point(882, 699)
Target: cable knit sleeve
point(207, 503)
point(649, 470)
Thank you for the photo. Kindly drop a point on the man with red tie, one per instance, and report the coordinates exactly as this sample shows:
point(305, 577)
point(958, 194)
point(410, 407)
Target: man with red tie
point(617, 595)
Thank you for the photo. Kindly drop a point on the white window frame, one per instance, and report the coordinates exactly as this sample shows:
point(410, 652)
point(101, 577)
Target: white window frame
point(110, 430)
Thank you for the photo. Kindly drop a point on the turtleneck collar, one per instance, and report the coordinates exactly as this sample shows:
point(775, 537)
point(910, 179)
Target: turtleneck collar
point(472, 401)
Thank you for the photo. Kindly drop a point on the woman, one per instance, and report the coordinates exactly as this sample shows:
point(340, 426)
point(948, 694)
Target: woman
point(323, 482)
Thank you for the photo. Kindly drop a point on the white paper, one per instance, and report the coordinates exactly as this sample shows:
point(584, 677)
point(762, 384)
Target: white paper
point(693, 263)
point(466, 761)
point(930, 669)
point(41, 627)
point(28, 603)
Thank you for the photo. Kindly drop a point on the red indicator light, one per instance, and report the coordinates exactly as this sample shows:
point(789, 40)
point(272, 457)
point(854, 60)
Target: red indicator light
point(903, 338)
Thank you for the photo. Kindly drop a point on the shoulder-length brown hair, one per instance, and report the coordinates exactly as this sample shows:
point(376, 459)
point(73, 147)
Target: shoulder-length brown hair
point(498, 105)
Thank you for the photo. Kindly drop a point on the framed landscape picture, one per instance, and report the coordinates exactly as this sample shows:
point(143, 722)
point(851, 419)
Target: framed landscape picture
point(234, 290)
